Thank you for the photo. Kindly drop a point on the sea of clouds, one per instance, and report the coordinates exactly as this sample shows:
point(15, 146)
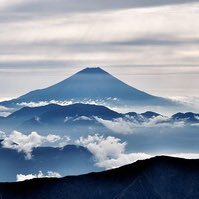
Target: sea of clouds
point(108, 151)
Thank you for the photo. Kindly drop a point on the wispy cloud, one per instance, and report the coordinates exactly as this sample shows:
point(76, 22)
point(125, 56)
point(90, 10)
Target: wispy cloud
point(130, 124)
point(102, 147)
point(62, 6)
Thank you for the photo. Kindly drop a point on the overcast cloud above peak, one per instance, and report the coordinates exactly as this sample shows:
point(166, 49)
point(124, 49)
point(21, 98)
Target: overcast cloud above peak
point(58, 6)
point(64, 36)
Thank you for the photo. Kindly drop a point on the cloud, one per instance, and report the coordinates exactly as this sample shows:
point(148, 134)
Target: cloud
point(191, 102)
point(4, 114)
point(2, 135)
point(122, 160)
point(82, 118)
point(128, 125)
point(197, 124)
point(69, 102)
point(185, 155)
point(50, 174)
point(63, 6)
point(44, 103)
point(5, 111)
point(103, 148)
point(118, 125)
point(133, 157)
point(98, 33)
point(26, 143)
point(3, 108)
point(110, 152)
point(114, 37)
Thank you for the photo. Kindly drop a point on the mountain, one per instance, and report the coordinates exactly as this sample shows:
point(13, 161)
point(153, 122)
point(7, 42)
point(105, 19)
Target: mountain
point(90, 84)
point(57, 116)
point(187, 117)
point(150, 114)
point(57, 111)
point(155, 178)
point(81, 117)
point(69, 160)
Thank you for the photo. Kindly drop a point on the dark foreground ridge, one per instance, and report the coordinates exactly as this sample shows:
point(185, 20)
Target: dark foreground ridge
point(156, 178)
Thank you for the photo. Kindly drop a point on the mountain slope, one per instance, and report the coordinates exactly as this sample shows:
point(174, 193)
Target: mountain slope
point(90, 84)
point(56, 118)
point(65, 161)
point(156, 178)
point(188, 117)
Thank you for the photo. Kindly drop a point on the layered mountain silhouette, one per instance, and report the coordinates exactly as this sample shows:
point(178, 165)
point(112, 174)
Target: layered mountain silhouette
point(58, 118)
point(188, 117)
point(90, 84)
point(65, 161)
point(156, 178)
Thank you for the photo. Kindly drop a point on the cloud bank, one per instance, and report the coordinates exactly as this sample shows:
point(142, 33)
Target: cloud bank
point(50, 174)
point(128, 125)
point(110, 33)
point(69, 6)
point(109, 151)
point(26, 143)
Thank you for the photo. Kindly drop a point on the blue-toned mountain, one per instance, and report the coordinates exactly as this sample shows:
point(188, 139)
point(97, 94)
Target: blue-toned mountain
point(90, 84)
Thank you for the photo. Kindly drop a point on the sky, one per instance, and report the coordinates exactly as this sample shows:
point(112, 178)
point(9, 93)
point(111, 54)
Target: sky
point(150, 44)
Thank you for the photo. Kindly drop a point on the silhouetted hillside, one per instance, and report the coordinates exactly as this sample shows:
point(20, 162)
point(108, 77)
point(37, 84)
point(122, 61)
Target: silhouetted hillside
point(65, 161)
point(156, 178)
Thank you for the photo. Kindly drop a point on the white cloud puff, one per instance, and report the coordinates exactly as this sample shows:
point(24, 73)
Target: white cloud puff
point(50, 174)
point(103, 148)
point(25, 143)
point(109, 151)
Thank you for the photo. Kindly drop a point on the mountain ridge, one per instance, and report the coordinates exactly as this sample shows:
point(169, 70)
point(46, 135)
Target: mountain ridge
point(64, 160)
point(54, 115)
point(159, 177)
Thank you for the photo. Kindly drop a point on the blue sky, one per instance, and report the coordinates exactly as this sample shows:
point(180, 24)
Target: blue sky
point(152, 45)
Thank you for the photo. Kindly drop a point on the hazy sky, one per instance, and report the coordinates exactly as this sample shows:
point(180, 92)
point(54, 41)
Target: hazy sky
point(151, 44)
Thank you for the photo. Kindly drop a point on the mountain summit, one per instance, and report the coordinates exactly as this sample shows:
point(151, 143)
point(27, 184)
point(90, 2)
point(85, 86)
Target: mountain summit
point(93, 70)
point(92, 84)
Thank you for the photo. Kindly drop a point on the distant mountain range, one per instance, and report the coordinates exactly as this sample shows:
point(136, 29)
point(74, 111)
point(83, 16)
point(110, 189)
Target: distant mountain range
point(65, 161)
point(90, 84)
point(155, 178)
point(58, 117)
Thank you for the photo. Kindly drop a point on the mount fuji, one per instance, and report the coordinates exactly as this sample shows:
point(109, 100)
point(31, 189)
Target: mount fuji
point(92, 84)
